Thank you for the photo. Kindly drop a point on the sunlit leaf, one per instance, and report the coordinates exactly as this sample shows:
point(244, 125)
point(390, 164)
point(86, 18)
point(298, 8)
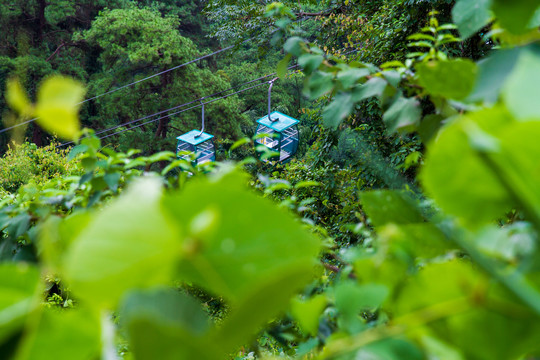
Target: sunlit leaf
point(16, 97)
point(58, 105)
point(130, 244)
point(451, 79)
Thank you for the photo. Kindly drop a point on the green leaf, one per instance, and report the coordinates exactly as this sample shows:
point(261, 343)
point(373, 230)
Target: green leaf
point(420, 240)
point(264, 301)
point(492, 74)
point(455, 176)
point(452, 79)
point(112, 179)
point(518, 165)
point(250, 241)
point(238, 143)
point(69, 334)
point(166, 324)
point(58, 104)
point(277, 186)
point(404, 112)
point(293, 46)
point(452, 287)
point(387, 206)
point(373, 87)
point(440, 350)
point(390, 349)
point(130, 244)
point(471, 15)
point(56, 236)
point(420, 36)
point(79, 149)
point(350, 76)
point(535, 21)
point(519, 92)
point(309, 183)
point(282, 66)
point(318, 84)
point(307, 312)
point(338, 110)
point(421, 44)
point(393, 77)
point(515, 16)
point(18, 285)
point(16, 97)
point(429, 126)
point(310, 62)
point(352, 298)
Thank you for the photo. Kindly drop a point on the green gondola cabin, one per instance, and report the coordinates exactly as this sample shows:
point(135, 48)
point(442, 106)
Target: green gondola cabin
point(281, 135)
point(198, 143)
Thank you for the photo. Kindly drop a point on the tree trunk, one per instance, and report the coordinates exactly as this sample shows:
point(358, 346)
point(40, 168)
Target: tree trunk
point(36, 135)
point(42, 21)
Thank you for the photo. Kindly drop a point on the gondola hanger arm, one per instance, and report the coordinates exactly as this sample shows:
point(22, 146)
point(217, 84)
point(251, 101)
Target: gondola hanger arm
point(271, 82)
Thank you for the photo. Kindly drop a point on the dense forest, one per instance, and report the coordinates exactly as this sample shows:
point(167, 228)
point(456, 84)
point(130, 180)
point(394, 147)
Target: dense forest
point(402, 224)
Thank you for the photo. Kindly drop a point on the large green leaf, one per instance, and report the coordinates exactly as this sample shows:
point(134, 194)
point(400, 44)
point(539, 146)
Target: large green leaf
point(452, 79)
point(421, 240)
point(373, 87)
point(352, 298)
point(515, 15)
point(518, 164)
point(58, 104)
point(18, 285)
point(16, 97)
point(338, 110)
point(471, 15)
point(403, 113)
point(519, 92)
point(238, 241)
point(350, 76)
point(492, 74)
point(129, 244)
point(310, 62)
point(307, 312)
point(458, 179)
point(390, 349)
point(318, 84)
point(387, 206)
point(263, 302)
point(468, 311)
point(166, 324)
point(68, 334)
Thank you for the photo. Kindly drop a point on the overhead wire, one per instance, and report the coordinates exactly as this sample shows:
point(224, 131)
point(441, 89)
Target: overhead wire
point(141, 80)
point(138, 81)
point(181, 111)
point(131, 84)
point(179, 106)
point(191, 102)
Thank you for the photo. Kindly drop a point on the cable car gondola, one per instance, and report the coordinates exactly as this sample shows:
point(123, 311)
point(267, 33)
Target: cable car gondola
point(198, 143)
point(281, 132)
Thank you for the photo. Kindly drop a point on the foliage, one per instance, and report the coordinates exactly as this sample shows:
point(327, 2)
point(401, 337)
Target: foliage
point(26, 162)
point(420, 175)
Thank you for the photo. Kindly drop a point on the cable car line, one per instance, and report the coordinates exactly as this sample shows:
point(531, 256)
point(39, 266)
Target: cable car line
point(132, 83)
point(180, 111)
point(180, 106)
point(188, 103)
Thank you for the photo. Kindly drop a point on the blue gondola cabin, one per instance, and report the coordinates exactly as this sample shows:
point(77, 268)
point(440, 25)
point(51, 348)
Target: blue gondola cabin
point(282, 135)
point(197, 143)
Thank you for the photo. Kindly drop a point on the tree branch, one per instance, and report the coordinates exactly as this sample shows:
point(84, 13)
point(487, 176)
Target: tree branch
point(56, 51)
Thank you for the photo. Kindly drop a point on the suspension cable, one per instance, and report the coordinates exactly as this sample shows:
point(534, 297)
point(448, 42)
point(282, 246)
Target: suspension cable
point(189, 103)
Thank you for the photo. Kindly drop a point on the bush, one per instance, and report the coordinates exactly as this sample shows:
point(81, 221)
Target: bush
point(25, 162)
